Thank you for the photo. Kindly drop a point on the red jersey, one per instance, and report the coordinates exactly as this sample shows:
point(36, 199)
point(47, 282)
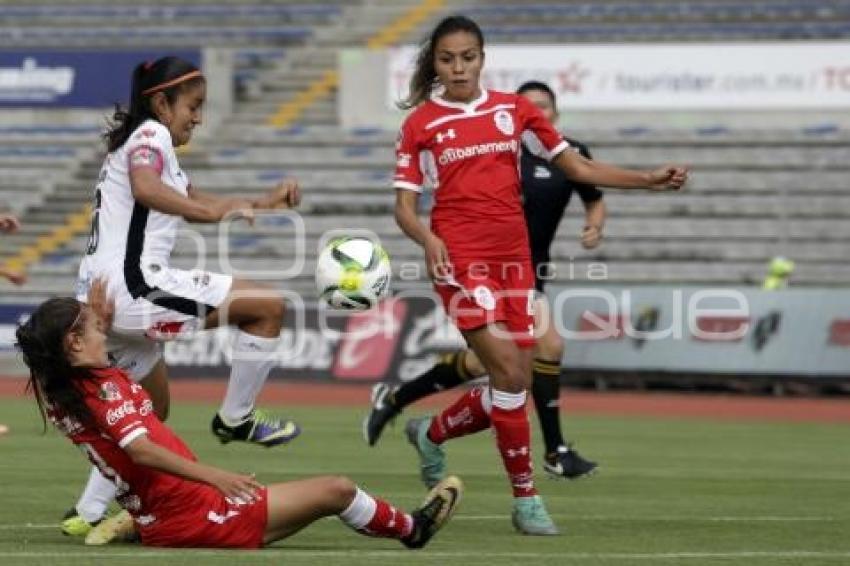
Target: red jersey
point(122, 411)
point(471, 154)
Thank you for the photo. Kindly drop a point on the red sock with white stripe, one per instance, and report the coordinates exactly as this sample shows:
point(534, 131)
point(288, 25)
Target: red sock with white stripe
point(375, 517)
point(513, 438)
point(467, 415)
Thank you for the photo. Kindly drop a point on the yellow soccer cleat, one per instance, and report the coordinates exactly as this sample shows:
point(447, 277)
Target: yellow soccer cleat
point(73, 525)
point(117, 528)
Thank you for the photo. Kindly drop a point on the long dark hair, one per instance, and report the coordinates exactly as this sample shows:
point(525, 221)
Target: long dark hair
point(168, 75)
point(540, 86)
point(423, 79)
point(41, 340)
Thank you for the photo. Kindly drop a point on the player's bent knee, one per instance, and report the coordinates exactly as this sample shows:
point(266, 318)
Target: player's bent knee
point(340, 491)
point(513, 381)
point(550, 350)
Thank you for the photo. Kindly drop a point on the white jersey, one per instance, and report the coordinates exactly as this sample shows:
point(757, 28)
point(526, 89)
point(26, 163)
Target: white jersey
point(128, 241)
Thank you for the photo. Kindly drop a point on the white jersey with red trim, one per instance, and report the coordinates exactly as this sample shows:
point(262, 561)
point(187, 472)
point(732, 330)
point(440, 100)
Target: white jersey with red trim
point(123, 230)
point(470, 154)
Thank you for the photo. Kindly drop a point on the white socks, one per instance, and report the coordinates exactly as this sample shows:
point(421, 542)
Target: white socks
point(97, 495)
point(508, 401)
point(360, 512)
point(253, 358)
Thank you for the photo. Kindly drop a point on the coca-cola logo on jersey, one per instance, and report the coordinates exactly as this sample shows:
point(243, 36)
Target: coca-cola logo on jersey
point(119, 412)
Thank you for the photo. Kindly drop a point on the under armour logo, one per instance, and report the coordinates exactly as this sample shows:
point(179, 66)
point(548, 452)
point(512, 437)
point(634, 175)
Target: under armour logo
point(522, 451)
point(449, 134)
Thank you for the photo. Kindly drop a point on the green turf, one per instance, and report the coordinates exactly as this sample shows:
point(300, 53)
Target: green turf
point(669, 492)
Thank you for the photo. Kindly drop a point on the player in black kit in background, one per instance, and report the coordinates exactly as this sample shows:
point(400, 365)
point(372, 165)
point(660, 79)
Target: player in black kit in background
point(546, 194)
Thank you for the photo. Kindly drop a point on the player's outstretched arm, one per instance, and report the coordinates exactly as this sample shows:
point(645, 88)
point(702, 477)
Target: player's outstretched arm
point(286, 194)
point(592, 172)
point(149, 190)
point(146, 453)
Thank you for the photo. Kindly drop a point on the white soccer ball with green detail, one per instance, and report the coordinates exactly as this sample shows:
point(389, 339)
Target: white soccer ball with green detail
point(353, 273)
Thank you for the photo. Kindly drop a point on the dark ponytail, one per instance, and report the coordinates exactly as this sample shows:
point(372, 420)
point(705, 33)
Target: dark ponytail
point(41, 340)
point(168, 75)
point(424, 77)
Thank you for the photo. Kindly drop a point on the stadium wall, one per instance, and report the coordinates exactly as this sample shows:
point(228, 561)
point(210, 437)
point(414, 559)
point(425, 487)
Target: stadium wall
point(724, 333)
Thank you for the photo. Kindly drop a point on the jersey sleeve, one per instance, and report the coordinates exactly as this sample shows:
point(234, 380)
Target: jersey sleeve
point(537, 133)
point(148, 147)
point(408, 167)
point(117, 409)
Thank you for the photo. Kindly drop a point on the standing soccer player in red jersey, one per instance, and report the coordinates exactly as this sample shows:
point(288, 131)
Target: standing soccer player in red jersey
point(467, 140)
point(174, 500)
point(546, 193)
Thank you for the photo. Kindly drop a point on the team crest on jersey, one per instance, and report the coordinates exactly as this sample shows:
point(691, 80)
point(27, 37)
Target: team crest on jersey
point(484, 298)
point(109, 392)
point(145, 157)
point(505, 122)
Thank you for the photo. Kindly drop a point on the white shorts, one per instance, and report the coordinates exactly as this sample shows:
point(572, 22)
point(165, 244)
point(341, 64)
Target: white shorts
point(176, 303)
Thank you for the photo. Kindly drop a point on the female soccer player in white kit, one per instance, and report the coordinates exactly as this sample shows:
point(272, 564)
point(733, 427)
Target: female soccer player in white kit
point(141, 198)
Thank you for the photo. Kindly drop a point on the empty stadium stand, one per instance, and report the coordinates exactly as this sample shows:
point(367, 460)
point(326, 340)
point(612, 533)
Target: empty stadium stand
point(754, 194)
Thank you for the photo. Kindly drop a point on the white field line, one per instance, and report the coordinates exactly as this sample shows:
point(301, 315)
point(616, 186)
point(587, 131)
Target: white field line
point(730, 519)
point(283, 552)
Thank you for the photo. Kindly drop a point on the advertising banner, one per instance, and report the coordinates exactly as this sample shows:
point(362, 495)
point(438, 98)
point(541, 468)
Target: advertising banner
point(756, 76)
point(723, 331)
point(72, 79)
point(697, 329)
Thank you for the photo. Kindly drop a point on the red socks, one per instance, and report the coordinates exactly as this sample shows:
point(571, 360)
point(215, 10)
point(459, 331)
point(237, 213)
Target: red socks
point(472, 413)
point(467, 415)
point(513, 437)
point(372, 516)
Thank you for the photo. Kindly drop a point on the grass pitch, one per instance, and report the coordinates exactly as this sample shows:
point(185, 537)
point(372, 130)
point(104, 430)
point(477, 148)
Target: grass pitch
point(689, 492)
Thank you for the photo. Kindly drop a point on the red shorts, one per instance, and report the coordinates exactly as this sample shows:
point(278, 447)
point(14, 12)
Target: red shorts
point(209, 520)
point(483, 293)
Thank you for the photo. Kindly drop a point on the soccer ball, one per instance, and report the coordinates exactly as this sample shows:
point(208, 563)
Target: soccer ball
point(353, 273)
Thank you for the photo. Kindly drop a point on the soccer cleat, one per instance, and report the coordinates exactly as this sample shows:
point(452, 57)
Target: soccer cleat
point(432, 458)
point(381, 413)
point(260, 428)
point(567, 463)
point(117, 528)
point(530, 517)
point(435, 512)
point(75, 526)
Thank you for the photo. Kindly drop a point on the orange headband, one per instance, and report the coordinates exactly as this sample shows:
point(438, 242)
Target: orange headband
point(172, 82)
